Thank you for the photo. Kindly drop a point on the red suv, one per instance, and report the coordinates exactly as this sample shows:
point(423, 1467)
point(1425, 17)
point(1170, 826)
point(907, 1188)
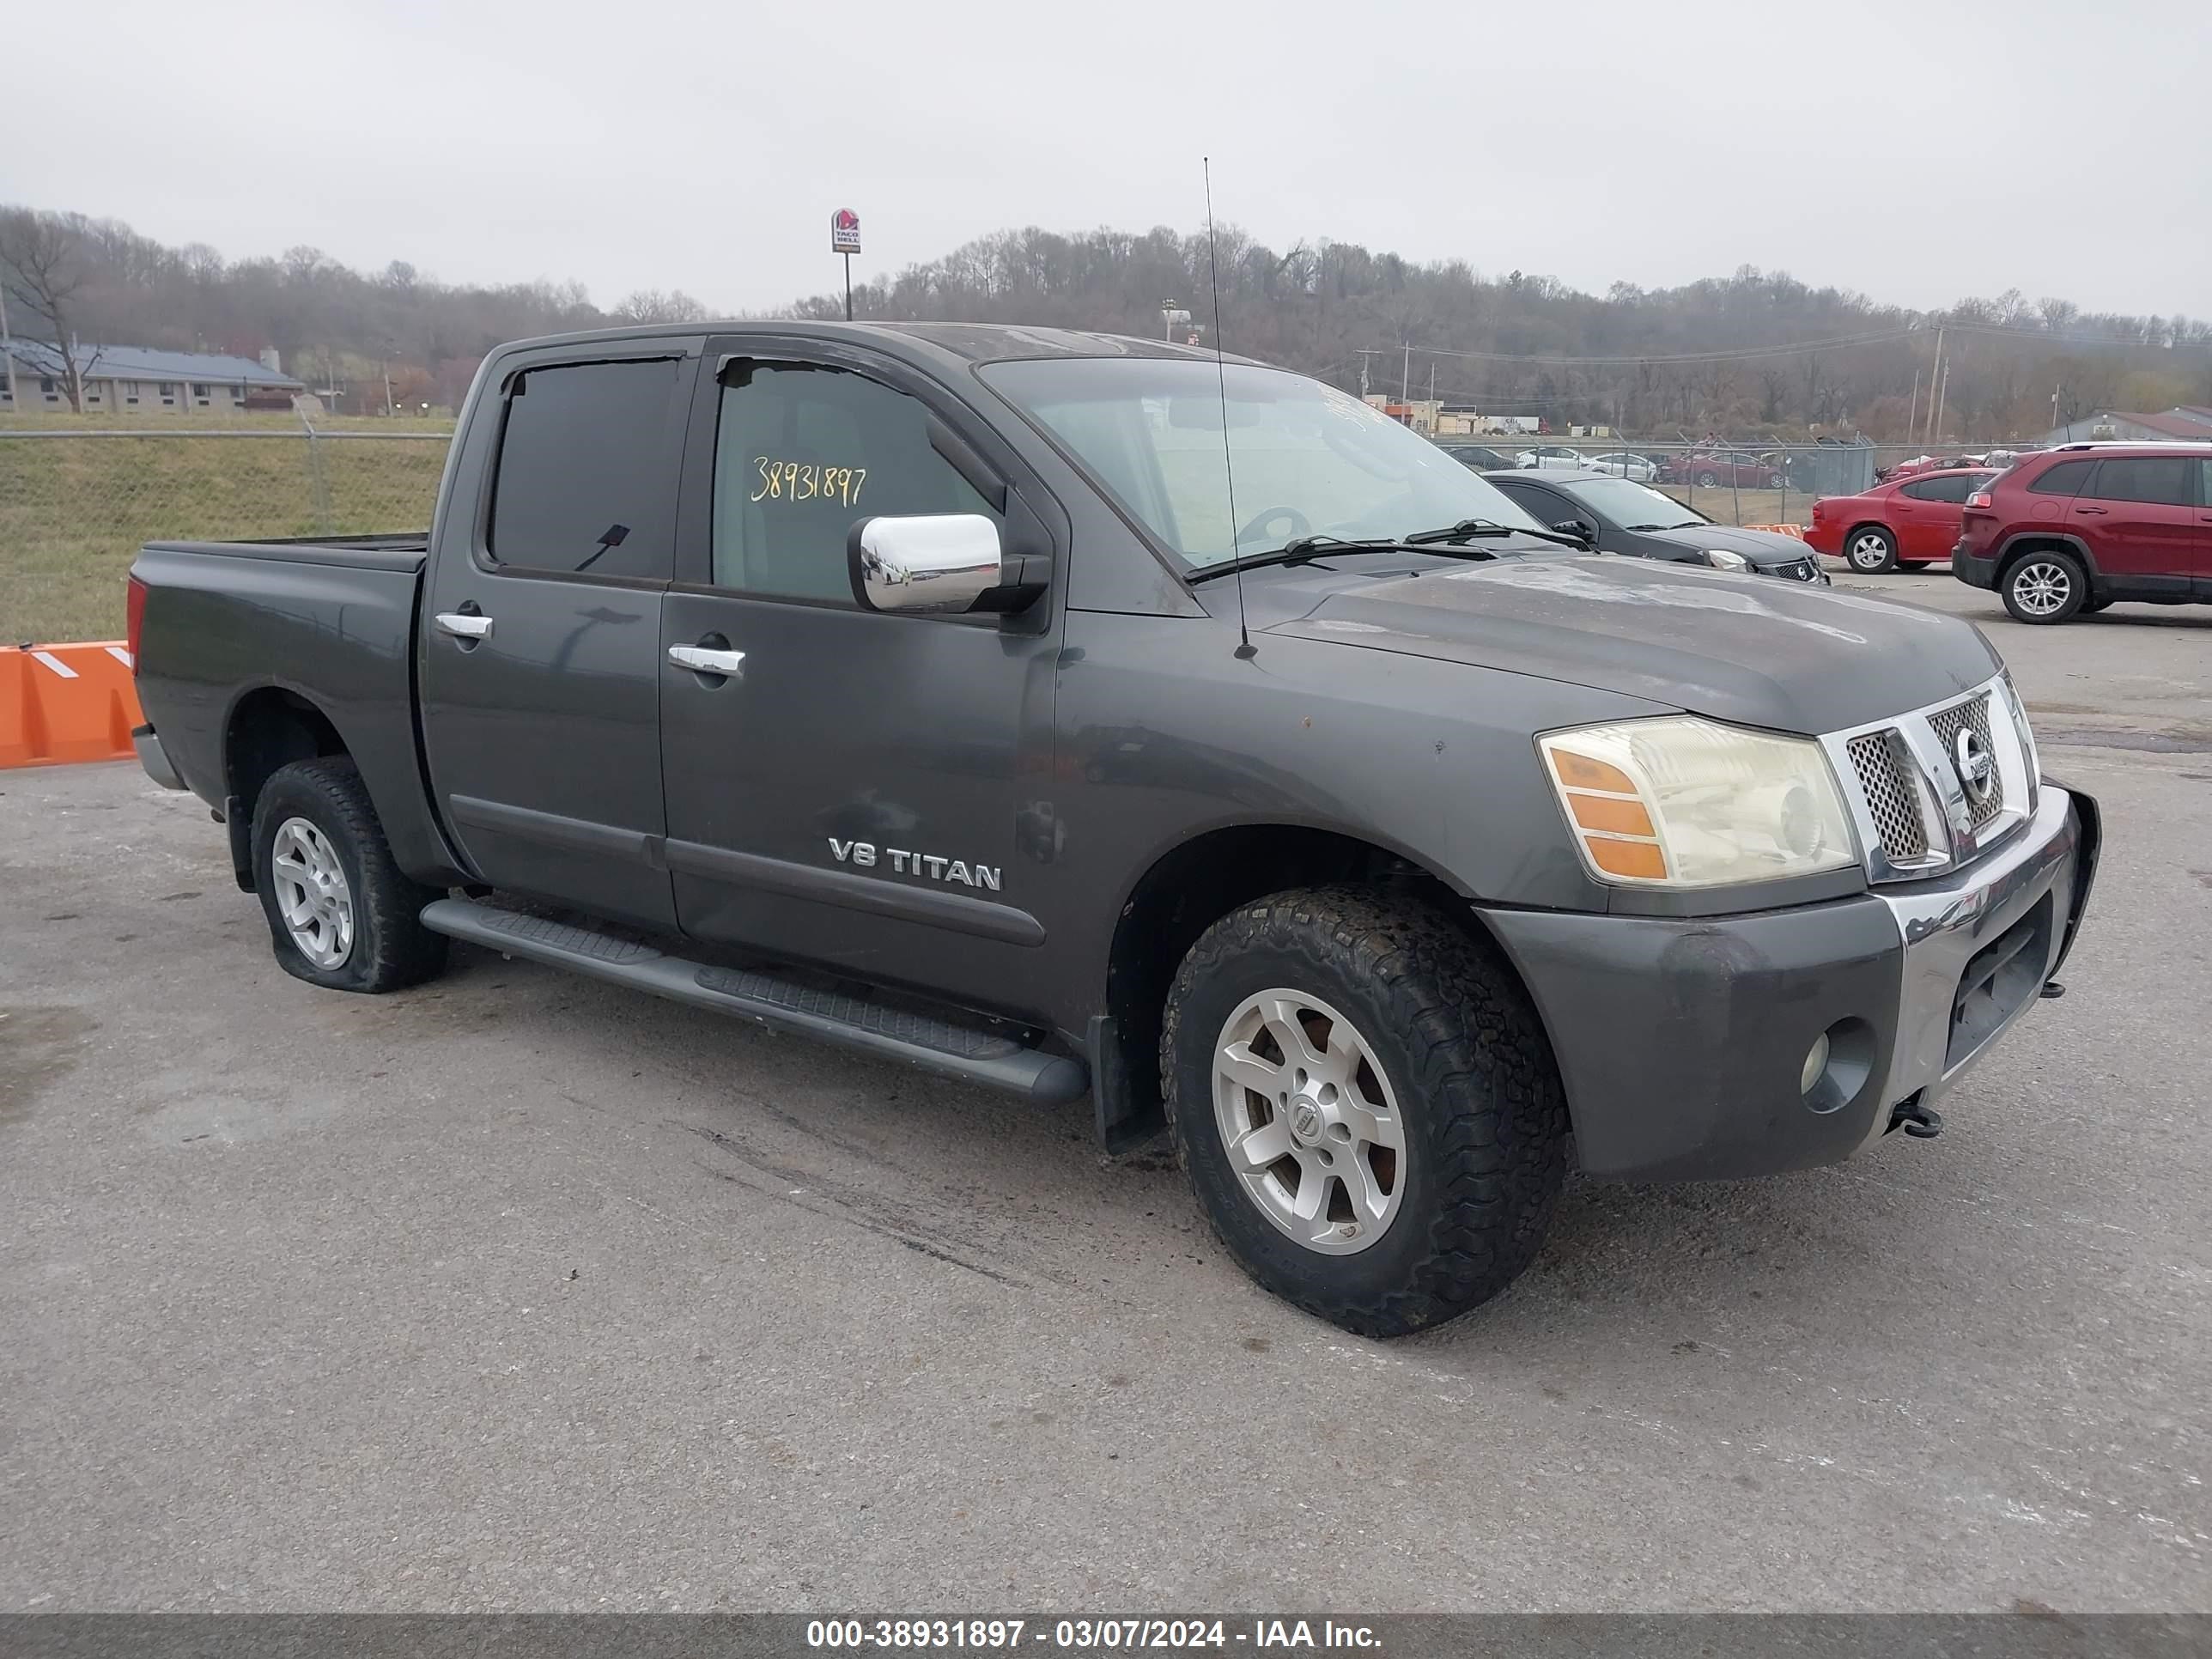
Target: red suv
point(2078, 528)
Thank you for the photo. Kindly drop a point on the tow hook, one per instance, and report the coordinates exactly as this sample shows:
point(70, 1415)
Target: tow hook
point(1920, 1122)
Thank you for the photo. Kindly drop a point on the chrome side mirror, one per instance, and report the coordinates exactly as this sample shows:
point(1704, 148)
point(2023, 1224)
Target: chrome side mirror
point(937, 561)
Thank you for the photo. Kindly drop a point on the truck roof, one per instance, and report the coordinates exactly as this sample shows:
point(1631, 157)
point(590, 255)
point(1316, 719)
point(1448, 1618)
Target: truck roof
point(972, 343)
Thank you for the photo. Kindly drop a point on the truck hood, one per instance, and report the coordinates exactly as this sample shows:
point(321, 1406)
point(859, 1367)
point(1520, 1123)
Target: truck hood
point(1734, 647)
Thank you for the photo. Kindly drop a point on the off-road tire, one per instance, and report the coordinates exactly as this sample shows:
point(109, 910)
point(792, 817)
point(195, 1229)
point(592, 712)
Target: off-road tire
point(1859, 544)
point(391, 948)
point(1473, 1073)
point(2022, 572)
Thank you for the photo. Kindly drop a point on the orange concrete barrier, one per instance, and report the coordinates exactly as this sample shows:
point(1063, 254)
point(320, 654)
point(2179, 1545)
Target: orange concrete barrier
point(60, 703)
point(1796, 530)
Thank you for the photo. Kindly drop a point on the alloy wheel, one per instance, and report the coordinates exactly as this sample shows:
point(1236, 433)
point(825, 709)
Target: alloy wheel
point(2042, 588)
point(1312, 1129)
point(312, 893)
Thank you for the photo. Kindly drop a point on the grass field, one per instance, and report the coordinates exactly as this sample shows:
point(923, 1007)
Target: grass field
point(73, 511)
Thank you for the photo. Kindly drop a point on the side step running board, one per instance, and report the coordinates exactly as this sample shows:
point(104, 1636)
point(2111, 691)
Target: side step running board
point(920, 1039)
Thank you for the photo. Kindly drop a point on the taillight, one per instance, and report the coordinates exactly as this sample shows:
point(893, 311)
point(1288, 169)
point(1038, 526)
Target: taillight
point(134, 617)
point(1979, 498)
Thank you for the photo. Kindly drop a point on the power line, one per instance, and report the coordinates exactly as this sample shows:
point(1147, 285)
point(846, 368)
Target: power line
point(1803, 348)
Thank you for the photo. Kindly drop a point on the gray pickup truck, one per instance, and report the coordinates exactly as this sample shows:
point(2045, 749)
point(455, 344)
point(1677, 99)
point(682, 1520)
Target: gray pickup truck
point(1081, 715)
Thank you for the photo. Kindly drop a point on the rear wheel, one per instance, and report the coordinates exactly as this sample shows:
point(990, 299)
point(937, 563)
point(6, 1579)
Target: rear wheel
point(2045, 587)
point(1366, 1106)
point(1870, 550)
point(341, 913)
point(1709, 480)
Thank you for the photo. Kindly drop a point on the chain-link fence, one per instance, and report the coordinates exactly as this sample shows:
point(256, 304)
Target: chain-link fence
point(1752, 483)
point(76, 506)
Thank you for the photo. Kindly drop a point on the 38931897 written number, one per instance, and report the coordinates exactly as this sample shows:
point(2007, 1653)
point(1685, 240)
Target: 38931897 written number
point(806, 481)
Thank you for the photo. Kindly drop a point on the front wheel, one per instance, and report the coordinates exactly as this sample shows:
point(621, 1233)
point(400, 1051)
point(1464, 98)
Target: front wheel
point(1366, 1106)
point(342, 914)
point(2046, 587)
point(1709, 480)
point(1870, 550)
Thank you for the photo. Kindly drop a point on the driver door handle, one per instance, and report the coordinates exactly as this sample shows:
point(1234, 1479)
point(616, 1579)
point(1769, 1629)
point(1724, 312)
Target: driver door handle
point(700, 659)
point(464, 625)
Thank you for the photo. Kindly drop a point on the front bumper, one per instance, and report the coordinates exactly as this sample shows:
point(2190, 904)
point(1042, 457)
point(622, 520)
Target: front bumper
point(1682, 1043)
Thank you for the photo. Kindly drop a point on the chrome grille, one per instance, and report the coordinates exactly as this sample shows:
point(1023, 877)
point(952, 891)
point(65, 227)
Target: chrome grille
point(1890, 794)
point(1799, 570)
point(1947, 724)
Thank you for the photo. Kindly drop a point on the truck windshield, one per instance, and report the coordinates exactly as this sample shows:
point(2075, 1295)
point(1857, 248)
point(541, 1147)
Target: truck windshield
point(1308, 459)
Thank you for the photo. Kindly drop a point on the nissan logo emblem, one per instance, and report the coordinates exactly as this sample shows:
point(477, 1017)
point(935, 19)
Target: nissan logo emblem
point(1976, 767)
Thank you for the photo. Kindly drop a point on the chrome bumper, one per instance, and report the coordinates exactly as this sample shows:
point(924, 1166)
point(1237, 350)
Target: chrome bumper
point(1979, 947)
point(151, 757)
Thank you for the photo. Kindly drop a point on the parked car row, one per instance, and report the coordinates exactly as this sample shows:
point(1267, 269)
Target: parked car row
point(1698, 469)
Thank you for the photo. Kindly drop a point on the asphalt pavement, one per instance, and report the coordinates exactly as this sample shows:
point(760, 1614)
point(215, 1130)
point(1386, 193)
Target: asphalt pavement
point(520, 1292)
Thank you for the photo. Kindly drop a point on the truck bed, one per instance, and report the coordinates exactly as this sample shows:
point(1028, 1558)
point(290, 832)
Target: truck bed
point(324, 626)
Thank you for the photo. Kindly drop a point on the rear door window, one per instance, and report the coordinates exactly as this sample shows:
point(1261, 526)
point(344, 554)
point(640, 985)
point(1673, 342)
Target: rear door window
point(2162, 480)
point(2065, 479)
point(586, 476)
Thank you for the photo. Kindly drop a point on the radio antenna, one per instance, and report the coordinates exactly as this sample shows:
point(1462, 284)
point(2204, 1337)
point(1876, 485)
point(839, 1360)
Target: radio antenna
point(1245, 648)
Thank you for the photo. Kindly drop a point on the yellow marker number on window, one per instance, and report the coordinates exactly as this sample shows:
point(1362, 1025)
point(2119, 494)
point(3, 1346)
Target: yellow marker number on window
point(805, 481)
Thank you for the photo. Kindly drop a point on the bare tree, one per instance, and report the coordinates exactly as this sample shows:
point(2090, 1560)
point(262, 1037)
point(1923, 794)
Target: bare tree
point(42, 262)
point(651, 304)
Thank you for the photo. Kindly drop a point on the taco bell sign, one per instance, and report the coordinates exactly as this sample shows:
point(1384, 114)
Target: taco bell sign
point(844, 231)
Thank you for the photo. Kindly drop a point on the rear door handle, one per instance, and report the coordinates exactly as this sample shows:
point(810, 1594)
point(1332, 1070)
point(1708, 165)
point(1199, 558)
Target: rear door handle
point(2099, 511)
point(463, 626)
point(700, 660)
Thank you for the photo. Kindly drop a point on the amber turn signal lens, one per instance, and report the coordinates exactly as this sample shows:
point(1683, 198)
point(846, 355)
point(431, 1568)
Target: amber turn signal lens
point(1581, 772)
point(1622, 817)
point(1641, 858)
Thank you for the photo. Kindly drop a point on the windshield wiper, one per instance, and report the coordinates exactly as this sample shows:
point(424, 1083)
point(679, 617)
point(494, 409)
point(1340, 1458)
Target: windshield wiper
point(1467, 530)
point(1304, 549)
point(1449, 540)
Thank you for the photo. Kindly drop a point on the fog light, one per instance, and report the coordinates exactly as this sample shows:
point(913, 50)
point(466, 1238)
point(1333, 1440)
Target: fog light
point(1816, 1062)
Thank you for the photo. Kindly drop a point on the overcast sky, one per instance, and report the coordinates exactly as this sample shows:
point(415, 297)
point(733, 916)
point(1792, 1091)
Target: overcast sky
point(1919, 152)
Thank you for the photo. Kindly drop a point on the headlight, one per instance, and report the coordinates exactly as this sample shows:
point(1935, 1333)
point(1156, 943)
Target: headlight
point(1685, 802)
point(1721, 559)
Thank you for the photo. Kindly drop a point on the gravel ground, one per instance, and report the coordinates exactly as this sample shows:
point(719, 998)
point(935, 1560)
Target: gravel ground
point(520, 1291)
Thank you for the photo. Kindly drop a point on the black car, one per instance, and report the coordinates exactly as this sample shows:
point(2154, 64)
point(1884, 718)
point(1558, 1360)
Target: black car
point(1621, 516)
point(1480, 456)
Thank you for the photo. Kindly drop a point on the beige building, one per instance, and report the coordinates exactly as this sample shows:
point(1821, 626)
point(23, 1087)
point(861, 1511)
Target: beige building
point(136, 380)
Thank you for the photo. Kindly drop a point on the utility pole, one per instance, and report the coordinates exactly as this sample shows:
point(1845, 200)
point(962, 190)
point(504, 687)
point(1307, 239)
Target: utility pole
point(1364, 356)
point(1935, 436)
point(2056, 387)
point(1934, 375)
point(1406, 379)
point(1912, 409)
point(8, 350)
